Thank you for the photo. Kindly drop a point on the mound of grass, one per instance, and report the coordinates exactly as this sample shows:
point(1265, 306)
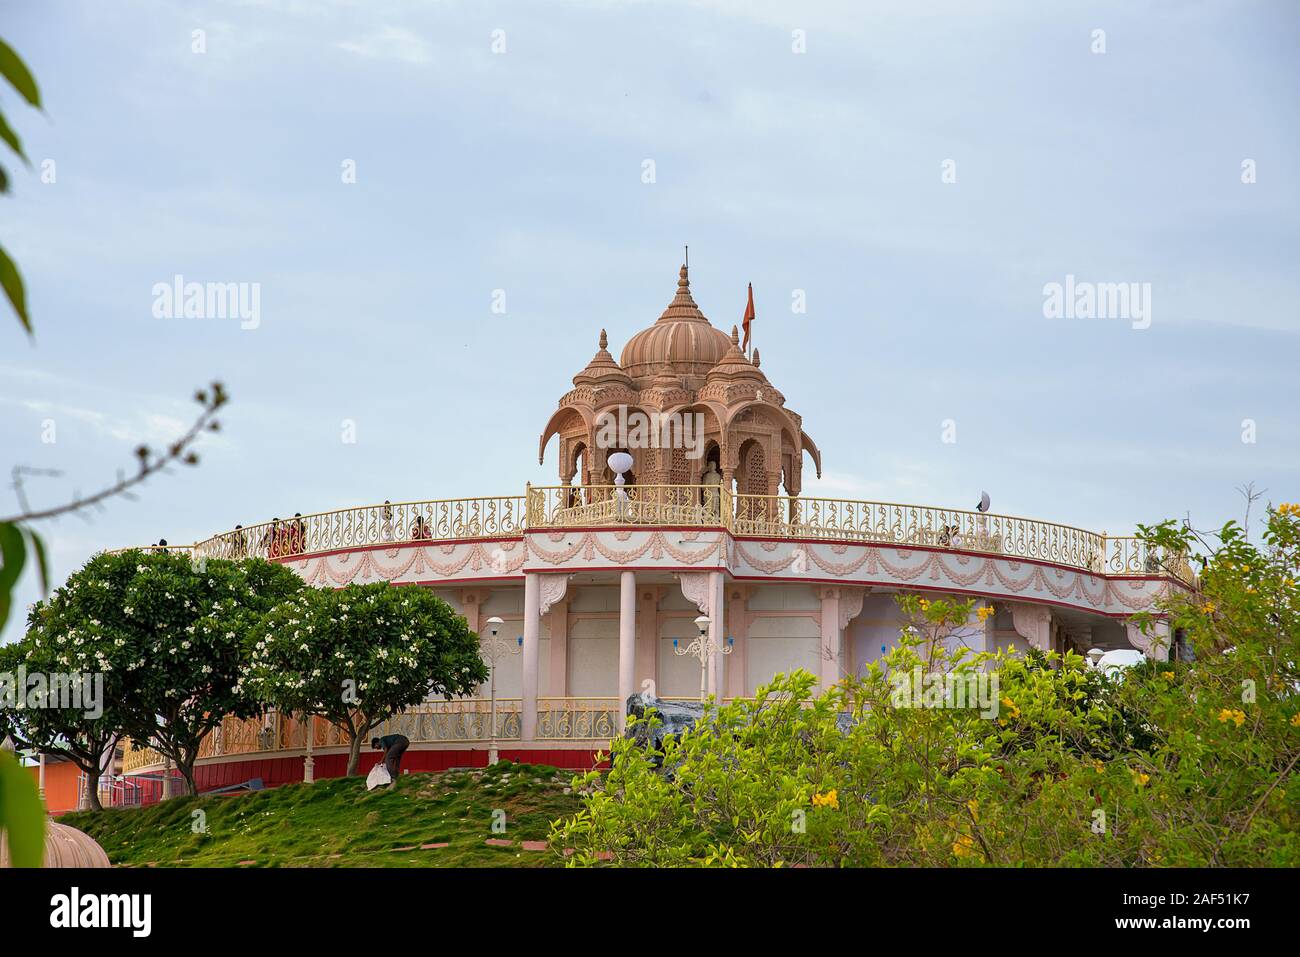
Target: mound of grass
point(335, 822)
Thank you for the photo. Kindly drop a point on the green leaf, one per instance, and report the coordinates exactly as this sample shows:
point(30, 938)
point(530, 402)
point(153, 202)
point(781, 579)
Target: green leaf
point(12, 282)
point(9, 136)
point(42, 563)
point(13, 69)
point(22, 818)
point(13, 552)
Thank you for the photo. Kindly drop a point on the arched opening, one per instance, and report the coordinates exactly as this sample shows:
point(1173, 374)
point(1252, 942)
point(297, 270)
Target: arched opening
point(751, 482)
point(578, 471)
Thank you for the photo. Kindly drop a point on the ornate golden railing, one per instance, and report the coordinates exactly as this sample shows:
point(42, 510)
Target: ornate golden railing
point(577, 719)
point(1129, 555)
point(400, 523)
point(135, 757)
point(566, 506)
point(704, 506)
point(773, 516)
point(463, 720)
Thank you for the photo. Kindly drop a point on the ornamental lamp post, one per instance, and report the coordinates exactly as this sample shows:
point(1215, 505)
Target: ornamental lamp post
point(495, 648)
point(703, 648)
point(620, 462)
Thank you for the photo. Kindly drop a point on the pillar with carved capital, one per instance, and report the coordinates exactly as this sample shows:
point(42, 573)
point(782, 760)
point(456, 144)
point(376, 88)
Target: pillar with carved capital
point(626, 642)
point(532, 641)
point(717, 634)
point(830, 645)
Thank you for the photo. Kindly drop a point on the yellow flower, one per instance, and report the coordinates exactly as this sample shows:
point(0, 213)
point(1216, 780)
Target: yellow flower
point(1008, 703)
point(962, 846)
point(829, 799)
point(1208, 608)
point(1098, 767)
point(1141, 778)
point(1295, 719)
point(1167, 675)
point(985, 613)
point(1237, 716)
point(1288, 508)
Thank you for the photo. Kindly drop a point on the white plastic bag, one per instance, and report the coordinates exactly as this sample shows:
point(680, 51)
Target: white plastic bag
point(378, 777)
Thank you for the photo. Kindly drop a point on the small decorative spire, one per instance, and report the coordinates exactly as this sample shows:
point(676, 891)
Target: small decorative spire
point(604, 340)
point(683, 278)
point(735, 336)
point(756, 362)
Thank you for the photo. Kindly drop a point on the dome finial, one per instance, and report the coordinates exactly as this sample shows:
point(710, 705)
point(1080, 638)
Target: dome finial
point(735, 336)
point(604, 340)
point(756, 362)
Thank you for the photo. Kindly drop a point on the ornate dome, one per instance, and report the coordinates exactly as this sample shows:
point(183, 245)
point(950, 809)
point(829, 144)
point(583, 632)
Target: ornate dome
point(734, 366)
point(681, 343)
point(65, 847)
point(602, 369)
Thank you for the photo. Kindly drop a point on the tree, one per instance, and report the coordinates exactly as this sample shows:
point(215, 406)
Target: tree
point(358, 655)
point(89, 722)
point(173, 629)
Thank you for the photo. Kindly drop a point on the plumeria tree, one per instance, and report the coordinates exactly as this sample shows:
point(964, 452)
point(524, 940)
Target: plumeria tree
point(76, 703)
point(358, 655)
point(170, 631)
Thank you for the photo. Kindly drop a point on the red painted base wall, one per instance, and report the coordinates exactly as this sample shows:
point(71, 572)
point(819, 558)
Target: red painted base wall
point(277, 771)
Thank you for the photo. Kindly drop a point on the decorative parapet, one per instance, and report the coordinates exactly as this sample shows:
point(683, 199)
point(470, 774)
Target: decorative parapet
point(492, 522)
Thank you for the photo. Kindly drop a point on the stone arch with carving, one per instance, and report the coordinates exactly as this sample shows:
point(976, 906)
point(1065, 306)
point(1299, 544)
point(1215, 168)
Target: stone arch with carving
point(1154, 643)
point(569, 423)
point(1033, 623)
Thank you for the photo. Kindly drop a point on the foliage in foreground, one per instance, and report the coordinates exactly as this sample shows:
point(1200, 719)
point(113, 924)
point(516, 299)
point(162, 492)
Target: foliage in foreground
point(1168, 764)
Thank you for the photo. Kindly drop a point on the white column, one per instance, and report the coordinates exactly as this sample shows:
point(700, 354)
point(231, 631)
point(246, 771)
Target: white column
point(308, 740)
point(830, 652)
point(717, 634)
point(532, 642)
point(626, 642)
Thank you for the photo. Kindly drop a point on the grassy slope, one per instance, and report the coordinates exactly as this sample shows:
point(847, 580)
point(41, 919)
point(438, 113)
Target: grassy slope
point(336, 823)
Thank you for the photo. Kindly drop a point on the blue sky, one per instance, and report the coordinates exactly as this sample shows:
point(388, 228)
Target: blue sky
point(522, 171)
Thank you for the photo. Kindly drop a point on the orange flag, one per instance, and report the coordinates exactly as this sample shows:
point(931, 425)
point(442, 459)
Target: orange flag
point(749, 317)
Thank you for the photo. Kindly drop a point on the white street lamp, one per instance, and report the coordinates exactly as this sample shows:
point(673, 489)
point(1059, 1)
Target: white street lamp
point(703, 648)
point(495, 648)
point(620, 462)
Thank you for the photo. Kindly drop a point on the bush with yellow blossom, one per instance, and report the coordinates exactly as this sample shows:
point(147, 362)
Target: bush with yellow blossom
point(1178, 763)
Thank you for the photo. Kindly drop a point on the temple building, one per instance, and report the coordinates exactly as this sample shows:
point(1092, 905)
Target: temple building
point(675, 553)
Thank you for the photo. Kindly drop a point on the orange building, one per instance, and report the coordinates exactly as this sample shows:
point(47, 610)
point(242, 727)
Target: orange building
point(62, 784)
